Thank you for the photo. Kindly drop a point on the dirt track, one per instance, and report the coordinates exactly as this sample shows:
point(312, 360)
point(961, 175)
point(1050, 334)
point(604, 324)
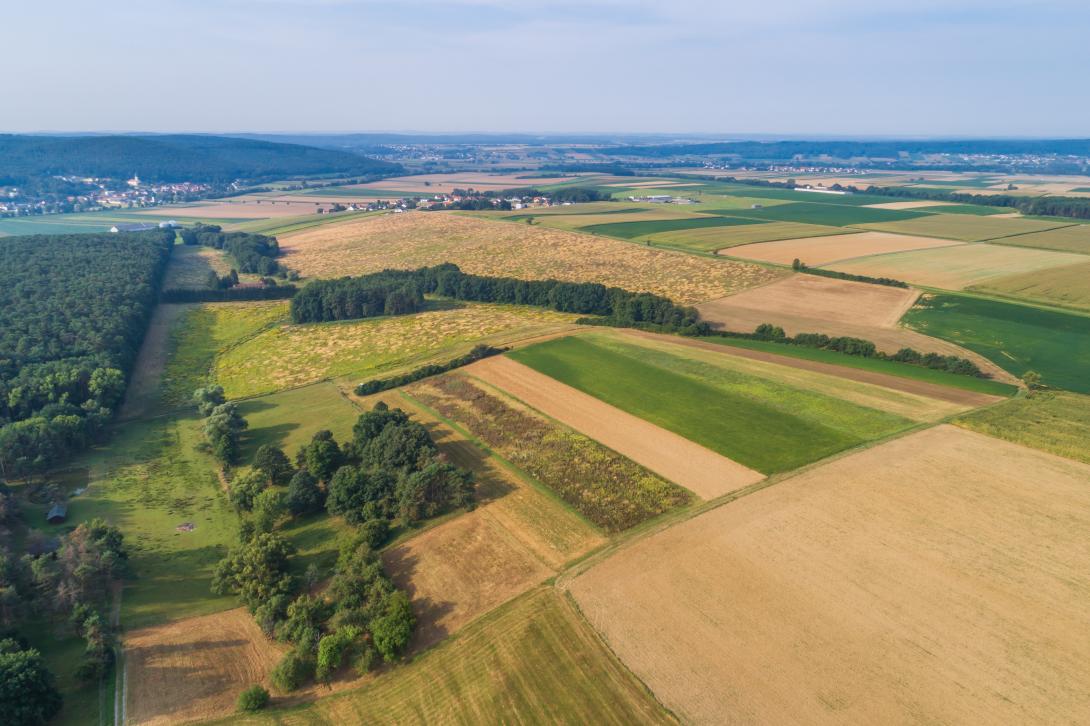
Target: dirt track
point(690, 465)
point(908, 385)
point(938, 578)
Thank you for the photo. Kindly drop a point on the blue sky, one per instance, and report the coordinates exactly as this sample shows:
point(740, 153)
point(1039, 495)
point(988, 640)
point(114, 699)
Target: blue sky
point(792, 67)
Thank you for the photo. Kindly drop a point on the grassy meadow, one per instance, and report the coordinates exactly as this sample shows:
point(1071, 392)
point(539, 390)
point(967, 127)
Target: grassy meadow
point(1016, 337)
point(1054, 421)
point(764, 424)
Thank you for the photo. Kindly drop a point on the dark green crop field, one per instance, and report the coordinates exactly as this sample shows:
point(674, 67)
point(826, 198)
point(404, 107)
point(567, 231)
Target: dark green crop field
point(1016, 337)
point(766, 425)
point(631, 230)
point(836, 215)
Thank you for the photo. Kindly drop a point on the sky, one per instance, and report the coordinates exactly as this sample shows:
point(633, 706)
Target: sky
point(962, 68)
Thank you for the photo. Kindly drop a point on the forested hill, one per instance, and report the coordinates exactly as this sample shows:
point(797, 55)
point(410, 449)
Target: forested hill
point(175, 158)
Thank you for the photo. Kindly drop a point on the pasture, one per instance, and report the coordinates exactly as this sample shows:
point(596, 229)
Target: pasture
point(964, 227)
point(752, 419)
point(1072, 238)
point(485, 247)
point(818, 251)
point(286, 356)
point(957, 267)
point(936, 578)
point(1067, 286)
point(1054, 421)
point(1017, 337)
point(531, 657)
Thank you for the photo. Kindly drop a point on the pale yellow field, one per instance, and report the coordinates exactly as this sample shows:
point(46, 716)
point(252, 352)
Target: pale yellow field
point(916, 204)
point(817, 251)
point(1069, 285)
point(498, 248)
point(424, 184)
point(964, 227)
point(938, 578)
point(1073, 238)
point(241, 209)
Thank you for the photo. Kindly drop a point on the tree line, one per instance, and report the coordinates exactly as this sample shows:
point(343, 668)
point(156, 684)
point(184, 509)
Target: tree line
point(254, 253)
point(347, 297)
point(799, 266)
point(73, 312)
point(384, 384)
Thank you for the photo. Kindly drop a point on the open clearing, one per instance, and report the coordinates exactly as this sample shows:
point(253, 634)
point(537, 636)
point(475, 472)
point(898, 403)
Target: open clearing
point(965, 227)
point(954, 268)
point(937, 578)
point(683, 462)
point(1054, 421)
point(285, 356)
point(195, 668)
point(1067, 286)
point(532, 660)
point(817, 251)
point(1073, 238)
point(486, 247)
point(755, 420)
point(189, 267)
point(142, 395)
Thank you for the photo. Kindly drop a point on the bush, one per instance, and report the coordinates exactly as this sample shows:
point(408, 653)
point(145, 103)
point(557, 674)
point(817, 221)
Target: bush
point(374, 532)
point(293, 670)
point(391, 632)
point(252, 699)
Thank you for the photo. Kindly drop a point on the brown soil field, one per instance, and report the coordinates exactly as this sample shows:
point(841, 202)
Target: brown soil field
point(194, 669)
point(817, 251)
point(487, 247)
point(916, 204)
point(928, 409)
point(941, 577)
point(812, 304)
point(673, 457)
point(460, 570)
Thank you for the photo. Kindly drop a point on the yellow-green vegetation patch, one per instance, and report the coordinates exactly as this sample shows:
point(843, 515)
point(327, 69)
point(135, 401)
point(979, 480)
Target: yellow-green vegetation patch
point(1067, 286)
point(1055, 421)
point(285, 356)
point(964, 227)
point(1073, 238)
point(190, 266)
point(718, 238)
point(533, 659)
point(206, 331)
point(608, 489)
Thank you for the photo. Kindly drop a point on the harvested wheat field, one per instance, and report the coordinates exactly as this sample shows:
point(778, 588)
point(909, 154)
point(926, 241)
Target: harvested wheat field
point(460, 570)
point(486, 247)
point(954, 268)
point(812, 304)
point(817, 251)
point(674, 457)
point(193, 669)
point(938, 578)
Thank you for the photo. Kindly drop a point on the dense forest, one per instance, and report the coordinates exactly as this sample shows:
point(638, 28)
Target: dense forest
point(393, 291)
point(73, 311)
point(174, 158)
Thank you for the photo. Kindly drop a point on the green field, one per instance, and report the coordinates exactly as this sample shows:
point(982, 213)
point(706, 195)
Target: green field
point(766, 425)
point(631, 230)
point(533, 660)
point(86, 222)
point(1072, 238)
point(963, 227)
point(888, 367)
point(834, 215)
point(790, 195)
point(1055, 421)
point(977, 209)
point(717, 238)
point(1016, 337)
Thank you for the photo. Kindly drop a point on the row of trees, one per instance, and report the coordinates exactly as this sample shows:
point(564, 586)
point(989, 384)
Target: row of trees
point(383, 293)
point(433, 369)
point(330, 300)
point(254, 253)
point(799, 266)
point(390, 470)
point(73, 312)
point(223, 424)
point(864, 349)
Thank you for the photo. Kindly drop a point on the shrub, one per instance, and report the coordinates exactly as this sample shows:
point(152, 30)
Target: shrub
point(252, 699)
point(293, 670)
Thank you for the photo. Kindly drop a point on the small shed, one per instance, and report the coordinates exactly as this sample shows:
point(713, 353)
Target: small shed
point(57, 514)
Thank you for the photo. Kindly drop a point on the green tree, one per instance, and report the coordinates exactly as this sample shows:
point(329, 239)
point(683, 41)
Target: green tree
point(273, 463)
point(322, 456)
point(256, 571)
point(252, 699)
point(208, 398)
point(332, 650)
point(28, 694)
point(270, 506)
point(304, 494)
point(244, 489)
point(293, 670)
point(391, 632)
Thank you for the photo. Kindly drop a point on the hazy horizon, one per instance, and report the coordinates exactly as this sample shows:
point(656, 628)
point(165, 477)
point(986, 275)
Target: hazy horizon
point(785, 69)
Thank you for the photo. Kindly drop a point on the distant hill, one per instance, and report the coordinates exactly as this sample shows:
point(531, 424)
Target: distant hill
point(167, 158)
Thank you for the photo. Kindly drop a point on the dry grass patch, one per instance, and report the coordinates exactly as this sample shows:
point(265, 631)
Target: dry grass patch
point(817, 251)
point(1074, 238)
point(964, 227)
point(189, 266)
point(937, 578)
point(955, 268)
point(194, 669)
point(1067, 286)
point(486, 247)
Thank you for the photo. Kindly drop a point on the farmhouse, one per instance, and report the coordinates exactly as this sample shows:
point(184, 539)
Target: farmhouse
point(57, 514)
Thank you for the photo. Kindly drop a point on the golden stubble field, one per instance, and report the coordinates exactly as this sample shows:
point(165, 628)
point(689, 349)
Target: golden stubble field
point(941, 577)
point(486, 247)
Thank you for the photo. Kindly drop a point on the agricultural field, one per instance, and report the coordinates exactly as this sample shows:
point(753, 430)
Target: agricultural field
point(534, 656)
point(632, 230)
point(958, 267)
point(607, 489)
point(721, 238)
point(1072, 238)
point(818, 251)
point(1067, 286)
point(285, 356)
point(1054, 421)
point(1017, 337)
point(822, 212)
point(964, 227)
point(919, 580)
point(753, 419)
point(482, 246)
